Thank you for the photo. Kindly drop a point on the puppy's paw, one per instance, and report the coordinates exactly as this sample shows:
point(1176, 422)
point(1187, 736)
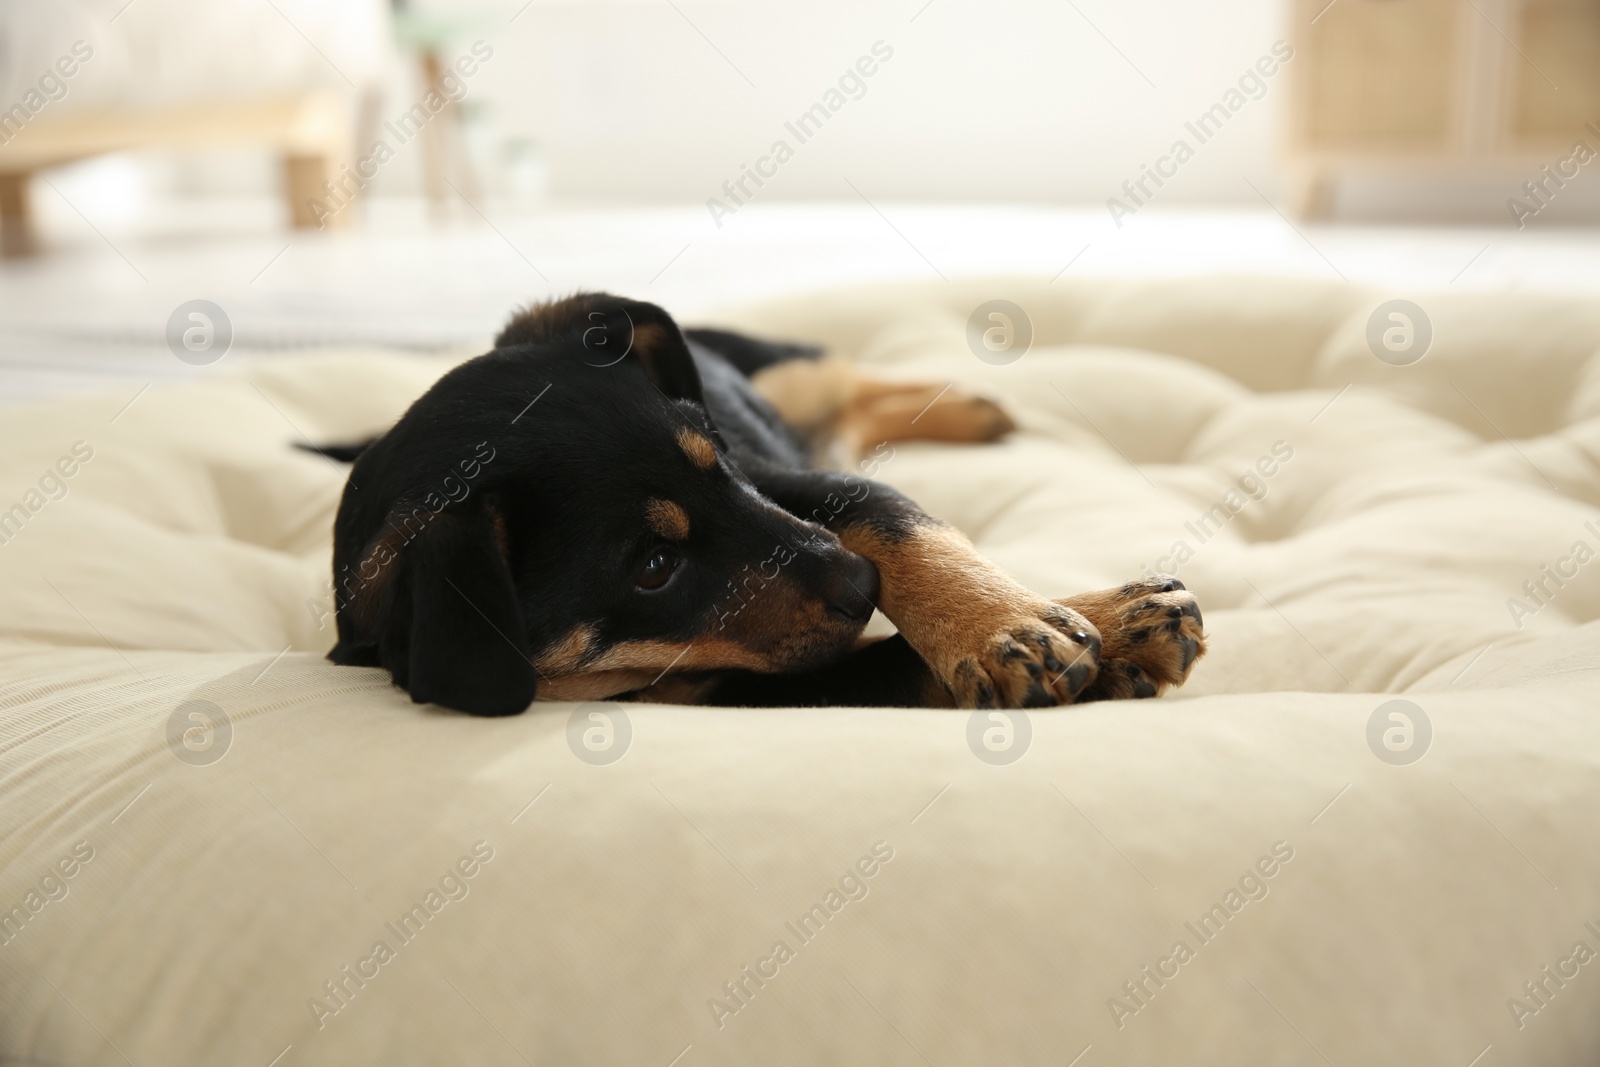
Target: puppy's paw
point(1031, 656)
point(1152, 634)
point(958, 415)
point(988, 641)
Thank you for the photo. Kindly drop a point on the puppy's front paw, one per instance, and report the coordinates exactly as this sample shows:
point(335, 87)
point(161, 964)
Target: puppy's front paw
point(988, 641)
point(1030, 656)
point(1152, 634)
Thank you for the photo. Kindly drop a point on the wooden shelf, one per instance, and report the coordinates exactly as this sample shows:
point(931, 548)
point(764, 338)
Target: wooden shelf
point(1461, 85)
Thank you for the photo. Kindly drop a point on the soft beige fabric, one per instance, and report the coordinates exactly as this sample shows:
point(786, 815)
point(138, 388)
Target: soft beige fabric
point(1019, 898)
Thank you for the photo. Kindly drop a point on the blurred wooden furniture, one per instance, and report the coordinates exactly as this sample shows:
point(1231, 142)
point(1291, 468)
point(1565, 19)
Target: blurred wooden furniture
point(1416, 84)
point(312, 132)
point(444, 143)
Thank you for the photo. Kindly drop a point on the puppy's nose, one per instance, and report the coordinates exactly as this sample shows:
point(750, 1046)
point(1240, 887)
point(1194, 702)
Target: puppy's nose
point(852, 588)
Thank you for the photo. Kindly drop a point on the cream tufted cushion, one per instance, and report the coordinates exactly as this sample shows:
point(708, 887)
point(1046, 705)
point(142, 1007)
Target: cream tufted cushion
point(1361, 543)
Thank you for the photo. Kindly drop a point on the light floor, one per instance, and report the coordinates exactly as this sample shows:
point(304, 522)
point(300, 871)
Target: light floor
point(92, 312)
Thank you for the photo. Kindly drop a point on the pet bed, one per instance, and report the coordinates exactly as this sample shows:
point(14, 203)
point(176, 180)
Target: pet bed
point(1363, 834)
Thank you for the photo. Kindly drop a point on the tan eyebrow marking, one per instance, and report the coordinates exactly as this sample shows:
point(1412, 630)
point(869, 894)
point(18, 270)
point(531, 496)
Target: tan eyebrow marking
point(701, 452)
point(667, 519)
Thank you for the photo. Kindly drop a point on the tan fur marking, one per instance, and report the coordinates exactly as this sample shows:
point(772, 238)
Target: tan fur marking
point(667, 519)
point(596, 686)
point(807, 393)
point(640, 665)
point(705, 653)
point(606, 684)
point(977, 627)
point(925, 413)
point(829, 398)
point(701, 452)
point(501, 537)
point(939, 584)
point(646, 337)
point(1101, 604)
point(564, 655)
point(766, 624)
point(1135, 623)
point(675, 690)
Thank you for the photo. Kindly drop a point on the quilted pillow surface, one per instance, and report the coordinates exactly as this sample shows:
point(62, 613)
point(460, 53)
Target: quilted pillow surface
point(1360, 530)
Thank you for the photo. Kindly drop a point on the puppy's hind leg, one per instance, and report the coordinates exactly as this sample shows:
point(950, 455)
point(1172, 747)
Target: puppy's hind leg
point(895, 411)
point(847, 413)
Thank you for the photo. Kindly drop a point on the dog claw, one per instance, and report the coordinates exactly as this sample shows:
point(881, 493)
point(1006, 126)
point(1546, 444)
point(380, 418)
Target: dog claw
point(1078, 678)
point(1038, 697)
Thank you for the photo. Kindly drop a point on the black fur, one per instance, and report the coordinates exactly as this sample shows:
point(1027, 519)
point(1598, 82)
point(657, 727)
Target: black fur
point(346, 453)
point(505, 511)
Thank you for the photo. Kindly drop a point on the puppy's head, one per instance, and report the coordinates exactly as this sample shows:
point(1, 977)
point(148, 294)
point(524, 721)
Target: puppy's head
point(561, 512)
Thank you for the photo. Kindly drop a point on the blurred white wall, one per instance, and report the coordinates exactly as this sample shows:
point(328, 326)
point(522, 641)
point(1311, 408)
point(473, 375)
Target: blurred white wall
point(990, 99)
point(1039, 100)
point(1052, 101)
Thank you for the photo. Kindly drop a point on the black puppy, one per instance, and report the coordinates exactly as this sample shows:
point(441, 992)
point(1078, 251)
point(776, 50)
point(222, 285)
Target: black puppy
point(606, 505)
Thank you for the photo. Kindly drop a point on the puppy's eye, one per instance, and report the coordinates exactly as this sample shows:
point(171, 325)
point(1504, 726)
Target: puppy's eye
point(656, 569)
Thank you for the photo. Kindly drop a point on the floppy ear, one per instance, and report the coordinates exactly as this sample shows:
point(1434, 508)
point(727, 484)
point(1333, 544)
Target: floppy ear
point(659, 346)
point(450, 628)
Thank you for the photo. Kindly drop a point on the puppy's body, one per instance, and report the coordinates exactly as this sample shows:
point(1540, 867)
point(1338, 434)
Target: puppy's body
point(603, 505)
